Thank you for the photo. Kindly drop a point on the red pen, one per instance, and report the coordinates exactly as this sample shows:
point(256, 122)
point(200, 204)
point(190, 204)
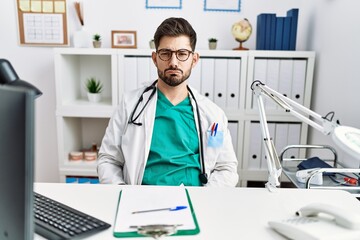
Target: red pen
point(212, 129)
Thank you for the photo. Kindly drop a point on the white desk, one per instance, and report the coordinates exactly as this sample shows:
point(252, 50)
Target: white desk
point(222, 213)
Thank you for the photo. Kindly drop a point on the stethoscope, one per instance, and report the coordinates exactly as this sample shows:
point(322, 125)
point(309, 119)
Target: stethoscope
point(133, 120)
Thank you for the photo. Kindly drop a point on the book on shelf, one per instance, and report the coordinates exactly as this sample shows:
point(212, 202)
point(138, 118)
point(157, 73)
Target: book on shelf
point(279, 33)
point(294, 14)
point(272, 31)
point(286, 33)
point(261, 31)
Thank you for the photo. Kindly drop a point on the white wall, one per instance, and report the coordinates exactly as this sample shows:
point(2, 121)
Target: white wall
point(336, 39)
point(325, 26)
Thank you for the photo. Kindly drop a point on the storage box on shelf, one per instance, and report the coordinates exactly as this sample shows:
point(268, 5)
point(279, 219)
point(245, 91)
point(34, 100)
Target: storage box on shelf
point(76, 134)
point(223, 76)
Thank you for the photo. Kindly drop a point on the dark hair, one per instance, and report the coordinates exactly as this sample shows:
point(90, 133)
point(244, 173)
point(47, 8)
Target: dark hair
point(174, 27)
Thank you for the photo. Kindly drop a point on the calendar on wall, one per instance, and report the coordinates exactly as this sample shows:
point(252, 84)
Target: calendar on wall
point(42, 22)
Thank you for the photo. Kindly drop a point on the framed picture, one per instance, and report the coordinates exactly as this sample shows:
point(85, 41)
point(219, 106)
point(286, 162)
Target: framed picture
point(222, 5)
point(123, 39)
point(170, 4)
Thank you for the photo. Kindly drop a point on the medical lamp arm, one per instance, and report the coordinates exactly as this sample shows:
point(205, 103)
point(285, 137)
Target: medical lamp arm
point(320, 123)
point(272, 159)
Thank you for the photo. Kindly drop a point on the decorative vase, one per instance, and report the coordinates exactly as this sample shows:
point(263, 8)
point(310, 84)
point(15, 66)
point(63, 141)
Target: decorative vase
point(152, 44)
point(82, 38)
point(97, 44)
point(212, 45)
point(94, 97)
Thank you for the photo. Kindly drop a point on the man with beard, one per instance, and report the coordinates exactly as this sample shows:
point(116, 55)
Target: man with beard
point(167, 133)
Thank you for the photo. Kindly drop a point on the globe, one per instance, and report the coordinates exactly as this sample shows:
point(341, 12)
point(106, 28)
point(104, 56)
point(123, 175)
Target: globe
point(241, 31)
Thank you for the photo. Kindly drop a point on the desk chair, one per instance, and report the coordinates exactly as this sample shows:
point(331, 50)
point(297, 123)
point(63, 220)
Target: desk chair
point(289, 166)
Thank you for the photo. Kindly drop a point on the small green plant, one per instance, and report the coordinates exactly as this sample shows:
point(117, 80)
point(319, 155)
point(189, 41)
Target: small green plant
point(93, 85)
point(97, 37)
point(212, 40)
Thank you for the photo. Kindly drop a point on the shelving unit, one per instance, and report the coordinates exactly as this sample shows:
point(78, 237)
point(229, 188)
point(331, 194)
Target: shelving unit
point(224, 76)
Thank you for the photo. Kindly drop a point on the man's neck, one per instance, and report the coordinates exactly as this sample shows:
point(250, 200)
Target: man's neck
point(174, 94)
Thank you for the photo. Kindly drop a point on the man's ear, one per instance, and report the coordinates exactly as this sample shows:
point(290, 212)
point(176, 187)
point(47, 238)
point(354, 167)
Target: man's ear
point(195, 59)
point(153, 56)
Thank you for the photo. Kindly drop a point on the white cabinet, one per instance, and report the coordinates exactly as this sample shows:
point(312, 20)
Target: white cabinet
point(223, 76)
point(80, 124)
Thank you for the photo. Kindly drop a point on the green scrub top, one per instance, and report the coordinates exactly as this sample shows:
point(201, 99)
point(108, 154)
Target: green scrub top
point(174, 150)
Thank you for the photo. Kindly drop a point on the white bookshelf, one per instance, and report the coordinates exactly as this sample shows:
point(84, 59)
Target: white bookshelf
point(224, 75)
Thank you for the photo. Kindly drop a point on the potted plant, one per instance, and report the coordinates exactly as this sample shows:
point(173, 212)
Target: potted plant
point(94, 88)
point(152, 44)
point(212, 43)
point(97, 40)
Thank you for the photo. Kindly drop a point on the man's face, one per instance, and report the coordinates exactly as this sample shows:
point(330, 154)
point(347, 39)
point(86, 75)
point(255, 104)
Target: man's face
point(175, 70)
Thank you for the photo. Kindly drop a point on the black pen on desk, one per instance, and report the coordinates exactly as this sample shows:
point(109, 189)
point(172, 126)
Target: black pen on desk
point(177, 208)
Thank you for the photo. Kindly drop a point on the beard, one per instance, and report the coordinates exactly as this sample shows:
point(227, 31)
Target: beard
point(174, 80)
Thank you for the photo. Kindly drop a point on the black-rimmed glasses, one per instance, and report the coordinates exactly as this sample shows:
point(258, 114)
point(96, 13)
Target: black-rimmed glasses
point(181, 54)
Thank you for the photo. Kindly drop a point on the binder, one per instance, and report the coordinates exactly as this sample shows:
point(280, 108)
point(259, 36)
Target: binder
point(294, 14)
point(272, 79)
point(263, 162)
point(270, 17)
point(153, 70)
point(143, 71)
point(281, 136)
point(233, 83)
point(279, 33)
point(130, 82)
point(195, 76)
point(286, 33)
point(260, 71)
point(299, 76)
point(221, 76)
point(285, 77)
point(154, 197)
point(207, 75)
point(272, 31)
point(233, 128)
point(294, 139)
point(261, 31)
point(255, 146)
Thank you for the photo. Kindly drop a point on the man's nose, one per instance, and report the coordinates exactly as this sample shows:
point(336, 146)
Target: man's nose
point(173, 59)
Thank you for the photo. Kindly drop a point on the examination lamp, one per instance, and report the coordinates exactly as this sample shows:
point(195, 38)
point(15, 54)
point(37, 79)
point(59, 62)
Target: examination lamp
point(9, 77)
point(347, 138)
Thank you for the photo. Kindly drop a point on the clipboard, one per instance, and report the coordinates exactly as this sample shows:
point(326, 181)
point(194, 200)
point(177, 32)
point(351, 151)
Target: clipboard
point(144, 197)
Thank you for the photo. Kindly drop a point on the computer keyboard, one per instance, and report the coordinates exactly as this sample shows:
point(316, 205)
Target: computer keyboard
point(54, 220)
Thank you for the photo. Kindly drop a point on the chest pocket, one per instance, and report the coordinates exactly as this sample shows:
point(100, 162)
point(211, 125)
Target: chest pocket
point(215, 136)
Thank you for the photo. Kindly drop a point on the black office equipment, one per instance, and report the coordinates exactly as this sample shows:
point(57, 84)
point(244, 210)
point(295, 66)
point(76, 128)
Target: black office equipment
point(8, 76)
point(17, 209)
point(16, 159)
point(55, 220)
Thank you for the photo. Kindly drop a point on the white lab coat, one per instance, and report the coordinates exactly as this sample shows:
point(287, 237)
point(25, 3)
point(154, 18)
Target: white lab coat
point(125, 146)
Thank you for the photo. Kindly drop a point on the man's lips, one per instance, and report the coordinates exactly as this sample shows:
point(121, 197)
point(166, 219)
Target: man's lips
point(173, 71)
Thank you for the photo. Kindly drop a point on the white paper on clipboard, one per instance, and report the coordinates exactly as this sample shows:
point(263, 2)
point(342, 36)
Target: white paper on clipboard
point(147, 198)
